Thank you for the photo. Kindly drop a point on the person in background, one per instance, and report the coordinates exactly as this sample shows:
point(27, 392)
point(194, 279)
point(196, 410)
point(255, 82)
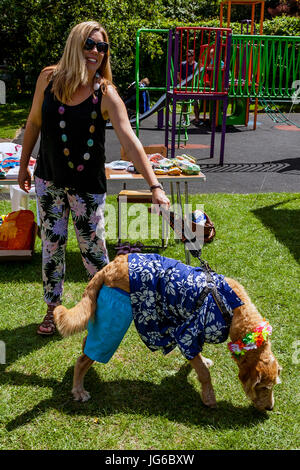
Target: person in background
point(71, 104)
point(130, 97)
point(145, 82)
point(187, 69)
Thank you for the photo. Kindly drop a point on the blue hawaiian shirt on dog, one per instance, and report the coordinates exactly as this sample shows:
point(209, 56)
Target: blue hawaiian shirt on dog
point(164, 294)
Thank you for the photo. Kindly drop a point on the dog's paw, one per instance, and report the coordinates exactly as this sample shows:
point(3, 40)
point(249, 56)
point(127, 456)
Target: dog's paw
point(80, 394)
point(208, 398)
point(207, 362)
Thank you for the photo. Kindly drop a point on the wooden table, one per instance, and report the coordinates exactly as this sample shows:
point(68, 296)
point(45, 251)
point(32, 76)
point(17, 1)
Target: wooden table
point(126, 177)
point(8, 181)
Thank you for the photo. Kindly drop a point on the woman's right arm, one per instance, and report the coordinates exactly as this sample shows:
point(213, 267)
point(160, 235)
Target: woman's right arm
point(32, 130)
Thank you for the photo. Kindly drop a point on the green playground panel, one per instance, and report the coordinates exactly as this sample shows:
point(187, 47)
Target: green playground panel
point(264, 66)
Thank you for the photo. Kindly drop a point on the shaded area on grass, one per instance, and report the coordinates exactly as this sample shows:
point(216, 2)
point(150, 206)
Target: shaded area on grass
point(284, 224)
point(174, 398)
point(23, 341)
point(31, 271)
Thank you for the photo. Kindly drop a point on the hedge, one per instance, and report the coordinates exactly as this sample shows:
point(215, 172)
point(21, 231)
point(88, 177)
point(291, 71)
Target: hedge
point(33, 33)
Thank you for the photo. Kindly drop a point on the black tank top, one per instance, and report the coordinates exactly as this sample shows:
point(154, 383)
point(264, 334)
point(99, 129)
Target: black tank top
point(86, 149)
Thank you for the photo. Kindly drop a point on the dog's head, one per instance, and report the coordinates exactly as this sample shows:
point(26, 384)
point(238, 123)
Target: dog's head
point(259, 372)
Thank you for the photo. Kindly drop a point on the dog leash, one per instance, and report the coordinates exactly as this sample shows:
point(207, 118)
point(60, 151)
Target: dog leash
point(183, 231)
point(194, 246)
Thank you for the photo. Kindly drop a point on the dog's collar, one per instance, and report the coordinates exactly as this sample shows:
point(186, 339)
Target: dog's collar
point(252, 340)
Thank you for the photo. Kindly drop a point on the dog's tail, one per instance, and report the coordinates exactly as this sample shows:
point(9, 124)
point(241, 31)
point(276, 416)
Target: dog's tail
point(75, 320)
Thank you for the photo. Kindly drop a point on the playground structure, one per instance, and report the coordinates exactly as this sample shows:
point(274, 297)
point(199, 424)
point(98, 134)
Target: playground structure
point(252, 3)
point(211, 47)
point(264, 67)
point(231, 68)
point(209, 79)
point(159, 106)
point(241, 106)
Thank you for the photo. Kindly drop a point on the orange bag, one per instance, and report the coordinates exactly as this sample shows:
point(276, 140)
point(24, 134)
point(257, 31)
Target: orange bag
point(17, 231)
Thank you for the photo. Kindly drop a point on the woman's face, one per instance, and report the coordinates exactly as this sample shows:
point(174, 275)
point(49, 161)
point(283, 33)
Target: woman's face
point(93, 58)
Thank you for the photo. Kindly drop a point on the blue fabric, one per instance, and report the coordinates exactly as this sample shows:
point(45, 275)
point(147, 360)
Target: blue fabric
point(145, 101)
point(164, 294)
point(189, 67)
point(110, 323)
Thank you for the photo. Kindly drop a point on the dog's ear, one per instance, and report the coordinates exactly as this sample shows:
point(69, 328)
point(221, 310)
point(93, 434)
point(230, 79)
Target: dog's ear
point(250, 377)
point(271, 368)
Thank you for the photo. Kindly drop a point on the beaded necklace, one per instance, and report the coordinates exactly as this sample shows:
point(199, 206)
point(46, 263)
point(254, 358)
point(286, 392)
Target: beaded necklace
point(92, 128)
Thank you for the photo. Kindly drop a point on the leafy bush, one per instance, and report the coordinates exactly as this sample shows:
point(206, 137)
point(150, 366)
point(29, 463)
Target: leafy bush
point(282, 26)
point(33, 33)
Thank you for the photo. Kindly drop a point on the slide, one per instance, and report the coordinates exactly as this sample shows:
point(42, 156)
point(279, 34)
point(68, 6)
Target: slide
point(238, 113)
point(155, 108)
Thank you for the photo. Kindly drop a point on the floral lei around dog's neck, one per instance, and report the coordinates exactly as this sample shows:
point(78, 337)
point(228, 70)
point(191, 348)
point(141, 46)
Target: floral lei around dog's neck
point(252, 340)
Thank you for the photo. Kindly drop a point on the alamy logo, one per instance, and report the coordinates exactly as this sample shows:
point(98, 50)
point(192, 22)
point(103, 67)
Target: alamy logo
point(296, 94)
point(2, 352)
point(2, 92)
point(296, 353)
point(136, 222)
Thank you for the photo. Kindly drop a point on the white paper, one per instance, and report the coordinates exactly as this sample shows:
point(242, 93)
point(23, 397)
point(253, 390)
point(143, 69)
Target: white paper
point(118, 165)
point(120, 177)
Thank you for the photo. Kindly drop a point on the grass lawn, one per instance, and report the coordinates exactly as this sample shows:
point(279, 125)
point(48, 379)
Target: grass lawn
point(144, 400)
point(12, 117)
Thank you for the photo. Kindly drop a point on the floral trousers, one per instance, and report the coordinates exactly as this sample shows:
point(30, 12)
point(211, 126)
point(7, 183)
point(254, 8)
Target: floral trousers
point(87, 211)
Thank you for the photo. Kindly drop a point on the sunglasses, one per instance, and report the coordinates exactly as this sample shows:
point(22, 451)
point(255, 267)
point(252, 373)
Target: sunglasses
point(101, 46)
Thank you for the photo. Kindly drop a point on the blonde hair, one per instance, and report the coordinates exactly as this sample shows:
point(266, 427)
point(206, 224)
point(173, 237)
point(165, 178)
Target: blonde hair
point(71, 71)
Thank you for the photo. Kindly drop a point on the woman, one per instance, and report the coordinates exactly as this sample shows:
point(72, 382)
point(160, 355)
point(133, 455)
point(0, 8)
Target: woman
point(71, 103)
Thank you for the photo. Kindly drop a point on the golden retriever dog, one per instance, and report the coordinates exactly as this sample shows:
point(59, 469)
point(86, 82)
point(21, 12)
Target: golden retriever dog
point(258, 368)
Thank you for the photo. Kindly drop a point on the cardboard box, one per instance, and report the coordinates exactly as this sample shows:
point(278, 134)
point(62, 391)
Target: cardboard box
point(149, 149)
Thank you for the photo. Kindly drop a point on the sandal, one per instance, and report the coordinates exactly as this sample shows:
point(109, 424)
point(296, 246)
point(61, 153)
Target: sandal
point(125, 248)
point(122, 245)
point(136, 247)
point(47, 323)
point(123, 251)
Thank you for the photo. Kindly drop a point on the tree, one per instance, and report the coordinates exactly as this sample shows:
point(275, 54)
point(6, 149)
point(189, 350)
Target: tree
point(33, 32)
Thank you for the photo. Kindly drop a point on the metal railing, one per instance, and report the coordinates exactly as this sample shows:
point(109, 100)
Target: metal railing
point(210, 49)
point(137, 71)
point(264, 66)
